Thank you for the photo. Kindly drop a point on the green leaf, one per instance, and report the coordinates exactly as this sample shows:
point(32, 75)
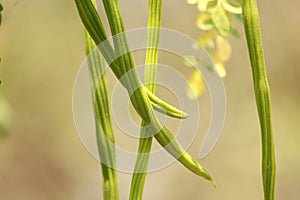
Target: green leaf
point(170, 113)
point(221, 21)
point(163, 107)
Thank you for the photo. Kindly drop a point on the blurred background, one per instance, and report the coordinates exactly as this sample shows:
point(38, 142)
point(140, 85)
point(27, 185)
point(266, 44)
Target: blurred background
point(41, 156)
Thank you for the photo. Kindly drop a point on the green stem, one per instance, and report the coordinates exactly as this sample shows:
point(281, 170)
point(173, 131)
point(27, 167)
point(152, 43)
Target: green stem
point(94, 26)
point(262, 94)
point(104, 131)
point(141, 165)
point(135, 88)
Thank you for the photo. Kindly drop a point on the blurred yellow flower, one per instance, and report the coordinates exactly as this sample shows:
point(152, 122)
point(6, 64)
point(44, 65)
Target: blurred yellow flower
point(202, 5)
point(231, 7)
point(215, 19)
point(219, 66)
point(192, 1)
point(223, 49)
point(196, 85)
point(204, 22)
point(207, 41)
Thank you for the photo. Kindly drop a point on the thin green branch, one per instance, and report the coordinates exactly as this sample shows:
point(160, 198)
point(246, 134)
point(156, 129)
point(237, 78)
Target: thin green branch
point(94, 26)
point(262, 94)
point(145, 143)
point(139, 97)
point(104, 131)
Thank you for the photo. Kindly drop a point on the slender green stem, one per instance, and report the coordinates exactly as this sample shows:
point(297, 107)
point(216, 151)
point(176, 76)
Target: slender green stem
point(104, 131)
point(262, 94)
point(141, 165)
point(94, 25)
point(140, 99)
point(135, 88)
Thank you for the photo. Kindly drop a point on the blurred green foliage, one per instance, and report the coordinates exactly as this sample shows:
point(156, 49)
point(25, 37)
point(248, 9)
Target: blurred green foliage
point(5, 108)
point(1, 8)
point(6, 114)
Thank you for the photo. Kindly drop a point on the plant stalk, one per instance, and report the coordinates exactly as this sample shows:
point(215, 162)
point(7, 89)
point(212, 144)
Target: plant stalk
point(262, 94)
point(138, 93)
point(145, 143)
point(104, 131)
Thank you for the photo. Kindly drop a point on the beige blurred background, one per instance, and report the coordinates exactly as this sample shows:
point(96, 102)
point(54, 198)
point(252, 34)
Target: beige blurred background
point(41, 156)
